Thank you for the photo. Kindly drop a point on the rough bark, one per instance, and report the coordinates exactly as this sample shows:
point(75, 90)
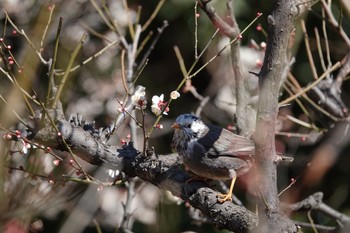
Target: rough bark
point(280, 25)
point(160, 170)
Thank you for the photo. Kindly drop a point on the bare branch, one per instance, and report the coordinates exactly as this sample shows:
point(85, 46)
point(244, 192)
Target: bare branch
point(162, 171)
point(280, 25)
point(315, 203)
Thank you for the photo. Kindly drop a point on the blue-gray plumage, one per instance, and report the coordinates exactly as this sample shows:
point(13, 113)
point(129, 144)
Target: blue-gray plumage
point(212, 152)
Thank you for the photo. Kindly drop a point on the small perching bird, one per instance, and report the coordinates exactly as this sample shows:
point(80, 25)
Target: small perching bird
point(212, 152)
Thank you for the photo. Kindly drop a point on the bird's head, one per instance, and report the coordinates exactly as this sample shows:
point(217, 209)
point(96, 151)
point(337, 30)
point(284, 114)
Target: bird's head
point(189, 127)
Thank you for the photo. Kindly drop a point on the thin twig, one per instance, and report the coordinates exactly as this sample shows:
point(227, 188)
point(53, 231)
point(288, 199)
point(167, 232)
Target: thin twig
point(130, 194)
point(310, 101)
point(288, 187)
point(5, 27)
point(144, 42)
point(8, 67)
point(46, 27)
point(290, 92)
point(153, 15)
point(317, 226)
point(181, 62)
point(130, 26)
point(22, 32)
point(94, 56)
point(14, 81)
point(70, 64)
point(51, 86)
point(140, 71)
point(308, 50)
point(152, 46)
point(104, 18)
point(138, 15)
point(311, 221)
point(335, 23)
point(201, 105)
point(325, 34)
point(196, 15)
point(92, 31)
point(145, 138)
point(132, 53)
point(97, 225)
point(300, 122)
point(126, 108)
point(324, 75)
point(319, 49)
point(123, 73)
point(225, 47)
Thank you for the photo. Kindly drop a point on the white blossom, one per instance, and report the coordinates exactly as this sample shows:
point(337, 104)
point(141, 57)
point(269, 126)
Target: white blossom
point(158, 104)
point(25, 147)
point(139, 99)
point(174, 95)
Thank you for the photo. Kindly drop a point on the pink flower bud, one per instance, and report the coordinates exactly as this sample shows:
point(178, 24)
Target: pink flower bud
point(56, 162)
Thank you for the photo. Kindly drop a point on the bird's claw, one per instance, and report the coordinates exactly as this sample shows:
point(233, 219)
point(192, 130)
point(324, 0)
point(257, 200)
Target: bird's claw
point(224, 197)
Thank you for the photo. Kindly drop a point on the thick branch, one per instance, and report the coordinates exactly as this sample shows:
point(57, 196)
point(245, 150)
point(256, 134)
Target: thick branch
point(160, 170)
point(216, 20)
point(280, 24)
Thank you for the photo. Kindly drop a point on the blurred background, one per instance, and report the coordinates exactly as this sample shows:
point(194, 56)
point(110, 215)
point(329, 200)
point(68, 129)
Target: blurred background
point(35, 197)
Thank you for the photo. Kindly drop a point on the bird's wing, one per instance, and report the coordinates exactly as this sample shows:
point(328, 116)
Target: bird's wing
point(219, 142)
point(215, 166)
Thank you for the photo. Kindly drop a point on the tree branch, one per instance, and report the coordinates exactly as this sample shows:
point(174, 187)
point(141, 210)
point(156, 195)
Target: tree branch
point(315, 202)
point(232, 31)
point(160, 170)
point(280, 24)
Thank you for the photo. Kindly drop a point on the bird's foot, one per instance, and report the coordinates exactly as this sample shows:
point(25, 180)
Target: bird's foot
point(224, 197)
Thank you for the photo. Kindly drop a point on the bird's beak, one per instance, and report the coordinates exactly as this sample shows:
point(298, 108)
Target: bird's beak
point(176, 126)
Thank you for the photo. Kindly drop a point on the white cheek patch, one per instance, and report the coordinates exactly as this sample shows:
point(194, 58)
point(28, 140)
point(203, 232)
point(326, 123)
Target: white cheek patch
point(196, 126)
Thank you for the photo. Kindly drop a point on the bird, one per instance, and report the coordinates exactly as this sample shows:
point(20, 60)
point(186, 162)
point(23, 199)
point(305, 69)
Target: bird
point(212, 152)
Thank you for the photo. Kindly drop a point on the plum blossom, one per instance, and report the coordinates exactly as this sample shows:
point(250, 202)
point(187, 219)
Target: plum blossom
point(25, 147)
point(139, 99)
point(174, 95)
point(158, 105)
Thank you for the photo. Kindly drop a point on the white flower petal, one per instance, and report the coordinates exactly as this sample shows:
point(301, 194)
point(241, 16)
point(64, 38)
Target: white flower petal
point(174, 95)
point(155, 100)
point(139, 95)
point(156, 110)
